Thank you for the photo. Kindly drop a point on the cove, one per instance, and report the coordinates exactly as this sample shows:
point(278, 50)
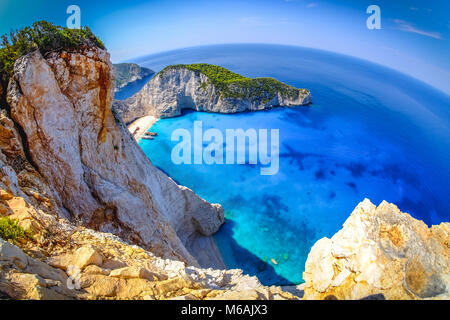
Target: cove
point(371, 133)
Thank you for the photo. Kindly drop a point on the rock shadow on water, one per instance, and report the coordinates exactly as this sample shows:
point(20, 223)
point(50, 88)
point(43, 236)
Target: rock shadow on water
point(417, 209)
point(273, 205)
point(353, 186)
point(295, 157)
point(274, 218)
point(395, 173)
point(357, 170)
point(249, 262)
point(301, 117)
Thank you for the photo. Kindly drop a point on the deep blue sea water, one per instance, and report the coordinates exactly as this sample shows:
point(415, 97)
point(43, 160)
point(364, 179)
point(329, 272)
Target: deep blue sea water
point(371, 133)
point(132, 88)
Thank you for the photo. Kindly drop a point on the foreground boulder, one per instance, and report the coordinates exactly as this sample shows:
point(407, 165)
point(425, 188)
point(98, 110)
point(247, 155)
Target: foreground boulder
point(381, 251)
point(71, 262)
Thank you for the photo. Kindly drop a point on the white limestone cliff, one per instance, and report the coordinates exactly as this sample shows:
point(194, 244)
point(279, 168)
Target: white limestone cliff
point(381, 251)
point(98, 175)
point(171, 91)
point(107, 224)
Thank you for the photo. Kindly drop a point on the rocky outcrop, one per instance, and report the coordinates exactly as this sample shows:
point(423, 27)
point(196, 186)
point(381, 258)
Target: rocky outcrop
point(70, 171)
point(175, 89)
point(381, 251)
point(95, 173)
point(69, 262)
point(107, 224)
point(128, 73)
point(56, 131)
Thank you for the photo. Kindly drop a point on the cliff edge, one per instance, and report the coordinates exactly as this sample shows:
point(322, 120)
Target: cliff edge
point(204, 87)
point(103, 223)
point(128, 73)
point(97, 174)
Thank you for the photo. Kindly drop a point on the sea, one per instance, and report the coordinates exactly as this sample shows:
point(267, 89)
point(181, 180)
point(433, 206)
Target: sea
point(371, 132)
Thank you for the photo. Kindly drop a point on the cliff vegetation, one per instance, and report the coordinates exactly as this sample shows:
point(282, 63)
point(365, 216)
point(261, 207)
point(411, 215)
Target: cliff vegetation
point(233, 85)
point(11, 231)
point(45, 37)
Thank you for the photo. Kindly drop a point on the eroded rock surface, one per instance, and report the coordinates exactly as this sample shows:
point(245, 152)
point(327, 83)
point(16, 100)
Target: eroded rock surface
point(172, 91)
point(107, 224)
point(70, 171)
point(65, 261)
point(128, 73)
point(97, 174)
point(83, 264)
point(381, 250)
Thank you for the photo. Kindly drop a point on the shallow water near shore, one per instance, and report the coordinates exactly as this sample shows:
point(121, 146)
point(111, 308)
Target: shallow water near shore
point(371, 133)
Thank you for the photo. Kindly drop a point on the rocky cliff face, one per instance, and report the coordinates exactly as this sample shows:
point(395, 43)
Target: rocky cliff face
point(127, 73)
point(70, 171)
point(381, 250)
point(71, 262)
point(174, 90)
point(96, 174)
point(72, 174)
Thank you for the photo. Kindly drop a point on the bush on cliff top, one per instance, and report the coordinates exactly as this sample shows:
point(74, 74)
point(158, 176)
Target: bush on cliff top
point(12, 232)
point(46, 37)
point(233, 85)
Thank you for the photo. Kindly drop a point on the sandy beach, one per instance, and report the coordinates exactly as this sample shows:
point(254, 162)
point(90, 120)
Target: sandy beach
point(139, 127)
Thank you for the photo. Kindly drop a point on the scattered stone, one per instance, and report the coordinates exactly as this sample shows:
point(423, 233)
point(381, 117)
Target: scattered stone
point(81, 258)
point(93, 269)
point(380, 252)
point(136, 272)
point(86, 256)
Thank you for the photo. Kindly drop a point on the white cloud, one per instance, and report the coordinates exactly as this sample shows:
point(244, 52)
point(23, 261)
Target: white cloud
point(312, 5)
point(408, 27)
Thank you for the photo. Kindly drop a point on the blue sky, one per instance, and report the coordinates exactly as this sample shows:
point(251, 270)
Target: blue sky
point(414, 37)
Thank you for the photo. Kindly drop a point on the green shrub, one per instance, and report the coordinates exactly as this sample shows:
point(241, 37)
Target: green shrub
point(233, 85)
point(46, 37)
point(12, 232)
point(204, 85)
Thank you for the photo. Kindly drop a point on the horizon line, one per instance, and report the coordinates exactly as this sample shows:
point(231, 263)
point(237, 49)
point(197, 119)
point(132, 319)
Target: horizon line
point(133, 60)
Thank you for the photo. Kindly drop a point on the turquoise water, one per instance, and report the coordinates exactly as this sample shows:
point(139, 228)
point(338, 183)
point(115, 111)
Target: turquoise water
point(371, 132)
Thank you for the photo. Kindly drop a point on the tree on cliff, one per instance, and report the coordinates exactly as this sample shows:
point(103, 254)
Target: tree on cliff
point(45, 37)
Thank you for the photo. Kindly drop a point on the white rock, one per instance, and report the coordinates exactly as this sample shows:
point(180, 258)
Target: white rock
point(93, 165)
